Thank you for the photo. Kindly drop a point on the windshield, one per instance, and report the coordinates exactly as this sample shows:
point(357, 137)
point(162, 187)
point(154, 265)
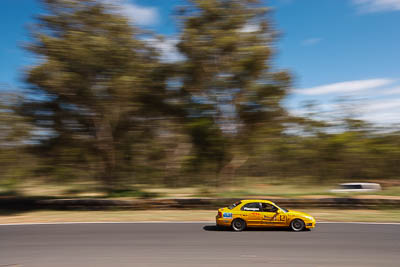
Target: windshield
point(234, 205)
point(284, 210)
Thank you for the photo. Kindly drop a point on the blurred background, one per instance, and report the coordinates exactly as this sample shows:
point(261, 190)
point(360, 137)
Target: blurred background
point(201, 98)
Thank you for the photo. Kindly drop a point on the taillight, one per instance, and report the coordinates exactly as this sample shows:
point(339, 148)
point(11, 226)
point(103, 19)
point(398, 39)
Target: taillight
point(219, 214)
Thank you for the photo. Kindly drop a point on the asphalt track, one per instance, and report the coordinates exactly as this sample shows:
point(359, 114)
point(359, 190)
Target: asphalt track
point(197, 244)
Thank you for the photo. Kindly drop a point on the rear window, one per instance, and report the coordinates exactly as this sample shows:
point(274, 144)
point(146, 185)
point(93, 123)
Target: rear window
point(254, 206)
point(234, 205)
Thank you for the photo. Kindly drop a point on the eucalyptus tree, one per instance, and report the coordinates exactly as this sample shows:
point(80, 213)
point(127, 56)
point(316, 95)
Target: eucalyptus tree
point(14, 131)
point(231, 87)
point(94, 84)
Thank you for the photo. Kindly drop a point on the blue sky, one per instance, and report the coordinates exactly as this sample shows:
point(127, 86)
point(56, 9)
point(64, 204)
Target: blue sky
point(335, 49)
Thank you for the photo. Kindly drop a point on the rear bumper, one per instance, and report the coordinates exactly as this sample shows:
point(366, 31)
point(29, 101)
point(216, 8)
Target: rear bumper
point(222, 221)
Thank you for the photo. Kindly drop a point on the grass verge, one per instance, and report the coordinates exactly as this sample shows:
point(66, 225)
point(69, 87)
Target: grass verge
point(185, 215)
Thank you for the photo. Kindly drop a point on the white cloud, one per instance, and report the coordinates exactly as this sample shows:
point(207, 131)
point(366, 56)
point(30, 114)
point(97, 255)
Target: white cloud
point(371, 6)
point(380, 112)
point(382, 118)
point(385, 111)
point(382, 105)
point(167, 48)
point(250, 28)
point(392, 91)
point(141, 15)
point(344, 87)
point(311, 41)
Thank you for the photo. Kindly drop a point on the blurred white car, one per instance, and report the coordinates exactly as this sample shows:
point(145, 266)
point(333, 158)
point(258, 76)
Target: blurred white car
point(357, 187)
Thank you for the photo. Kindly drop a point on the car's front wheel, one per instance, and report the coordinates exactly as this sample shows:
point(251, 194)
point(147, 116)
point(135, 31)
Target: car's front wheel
point(297, 225)
point(238, 225)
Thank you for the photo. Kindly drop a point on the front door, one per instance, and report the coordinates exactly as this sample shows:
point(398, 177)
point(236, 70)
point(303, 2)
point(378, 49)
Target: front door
point(271, 216)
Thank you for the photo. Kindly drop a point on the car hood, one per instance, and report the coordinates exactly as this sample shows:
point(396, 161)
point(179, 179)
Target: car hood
point(300, 214)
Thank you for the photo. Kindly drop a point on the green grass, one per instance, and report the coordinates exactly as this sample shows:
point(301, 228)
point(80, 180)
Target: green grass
point(249, 188)
point(289, 191)
point(392, 191)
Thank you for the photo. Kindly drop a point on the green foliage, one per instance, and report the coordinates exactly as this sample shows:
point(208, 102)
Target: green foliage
point(230, 86)
point(101, 105)
point(91, 88)
point(14, 131)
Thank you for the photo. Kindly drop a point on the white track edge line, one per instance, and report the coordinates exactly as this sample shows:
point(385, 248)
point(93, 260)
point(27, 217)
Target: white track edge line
point(177, 222)
point(136, 222)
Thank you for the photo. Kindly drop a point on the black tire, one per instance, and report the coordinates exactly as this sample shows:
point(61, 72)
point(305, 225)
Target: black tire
point(297, 225)
point(238, 225)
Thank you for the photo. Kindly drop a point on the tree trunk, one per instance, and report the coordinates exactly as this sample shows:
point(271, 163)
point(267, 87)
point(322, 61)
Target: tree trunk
point(227, 173)
point(105, 146)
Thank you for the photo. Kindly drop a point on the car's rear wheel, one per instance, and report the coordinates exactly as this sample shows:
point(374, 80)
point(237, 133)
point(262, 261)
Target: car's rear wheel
point(238, 225)
point(297, 225)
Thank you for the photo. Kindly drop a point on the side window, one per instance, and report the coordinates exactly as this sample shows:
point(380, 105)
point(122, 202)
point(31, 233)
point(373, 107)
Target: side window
point(253, 206)
point(268, 207)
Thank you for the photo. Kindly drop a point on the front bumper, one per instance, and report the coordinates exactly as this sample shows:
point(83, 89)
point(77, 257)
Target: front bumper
point(310, 224)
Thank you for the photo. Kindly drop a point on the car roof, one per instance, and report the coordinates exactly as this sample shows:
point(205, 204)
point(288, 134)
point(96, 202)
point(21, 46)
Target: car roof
point(256, 200)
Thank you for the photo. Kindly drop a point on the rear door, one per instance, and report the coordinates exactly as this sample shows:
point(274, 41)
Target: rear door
point(251, 212)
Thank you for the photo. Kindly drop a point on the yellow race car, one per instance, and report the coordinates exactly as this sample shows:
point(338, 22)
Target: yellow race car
point(262, 213)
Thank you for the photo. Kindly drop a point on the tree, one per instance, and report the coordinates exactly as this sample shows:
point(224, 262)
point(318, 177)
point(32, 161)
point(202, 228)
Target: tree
point(231, 87)
point(94, 85)
point(14, 131)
